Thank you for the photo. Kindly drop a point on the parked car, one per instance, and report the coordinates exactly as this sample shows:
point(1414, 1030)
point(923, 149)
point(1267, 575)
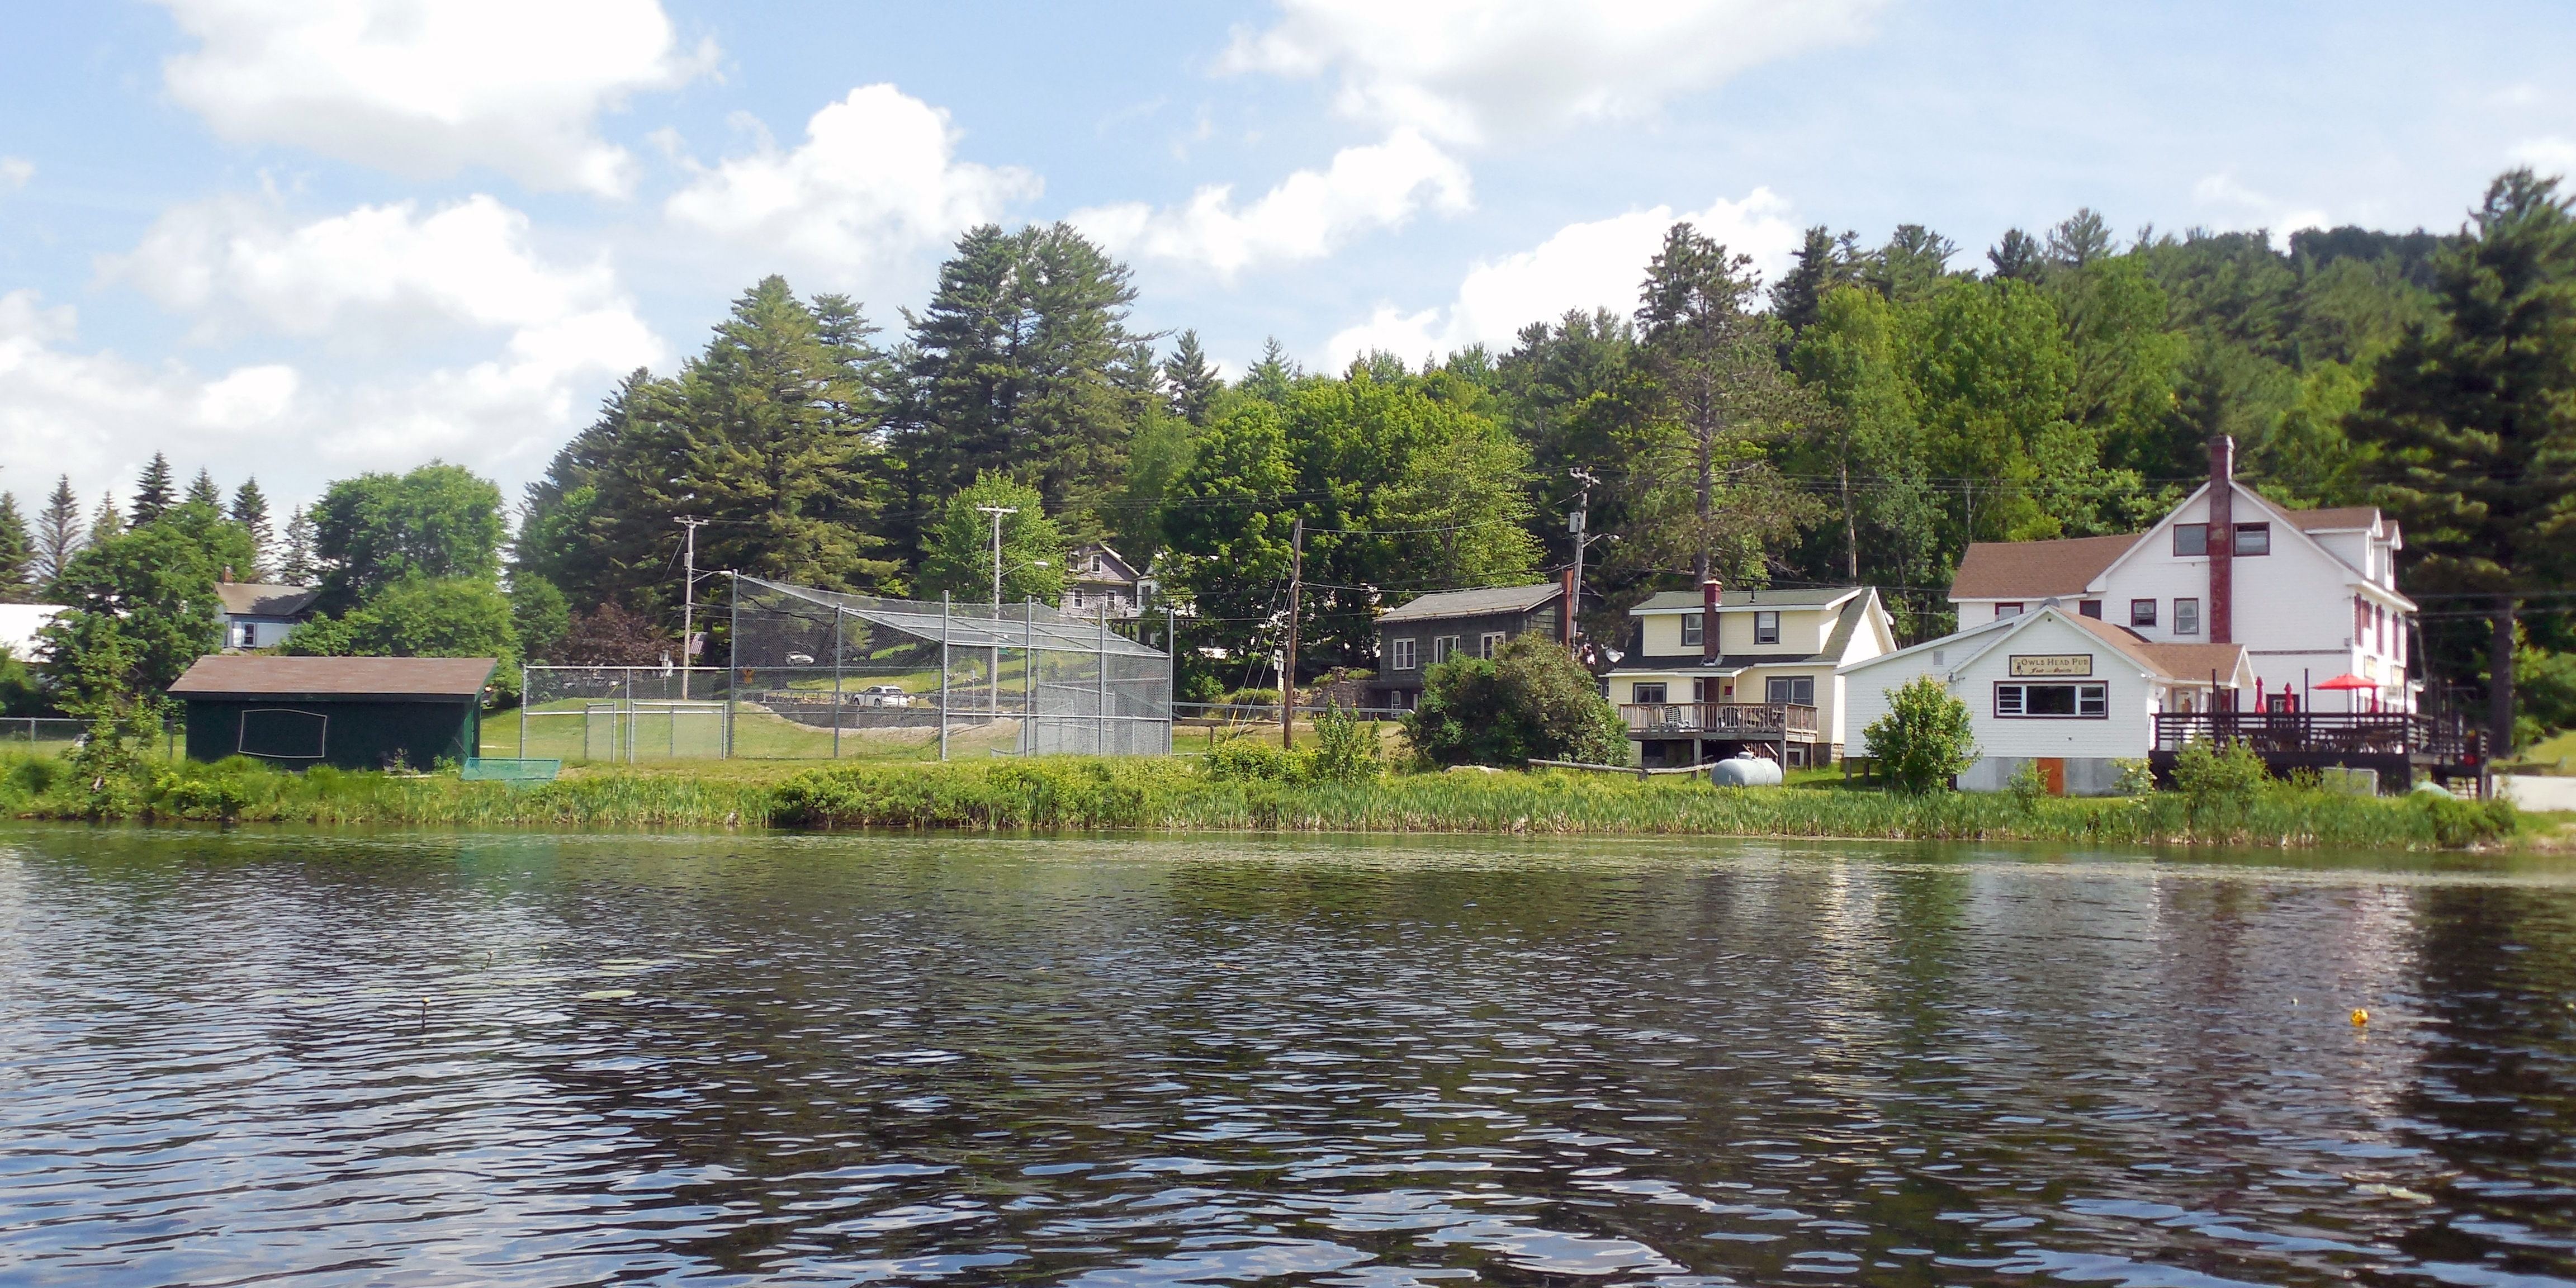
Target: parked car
point(884, 695)
point(800, 659)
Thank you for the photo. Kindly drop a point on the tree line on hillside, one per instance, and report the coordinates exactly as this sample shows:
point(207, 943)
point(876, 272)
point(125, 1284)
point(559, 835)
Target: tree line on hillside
point(1860, 420)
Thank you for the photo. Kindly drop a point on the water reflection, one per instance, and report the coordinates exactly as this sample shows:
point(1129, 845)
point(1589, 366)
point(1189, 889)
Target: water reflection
point(565, 1060)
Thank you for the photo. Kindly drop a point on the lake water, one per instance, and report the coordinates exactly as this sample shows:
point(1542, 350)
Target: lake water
point(278, 1057)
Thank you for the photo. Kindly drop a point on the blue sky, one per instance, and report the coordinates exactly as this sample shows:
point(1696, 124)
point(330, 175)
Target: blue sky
point(304, 240)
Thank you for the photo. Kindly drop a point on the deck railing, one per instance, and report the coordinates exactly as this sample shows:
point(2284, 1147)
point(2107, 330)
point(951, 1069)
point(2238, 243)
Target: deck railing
point(1752, 721)
point(2360, 733)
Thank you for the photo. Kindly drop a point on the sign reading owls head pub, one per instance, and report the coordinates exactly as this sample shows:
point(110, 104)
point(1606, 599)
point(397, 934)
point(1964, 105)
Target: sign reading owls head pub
point(2052, 664)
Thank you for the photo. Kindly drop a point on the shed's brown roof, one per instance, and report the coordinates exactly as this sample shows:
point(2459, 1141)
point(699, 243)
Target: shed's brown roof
point(2028, 570)
point(253, 675)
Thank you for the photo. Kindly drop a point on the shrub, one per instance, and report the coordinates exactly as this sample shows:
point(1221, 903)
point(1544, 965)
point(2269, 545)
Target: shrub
point(2457, 823)
point(1532, 701)
point(2206, 778)
point(1247, 758)
point(1345, 751)
point(1925, 739)
point(2028, 785)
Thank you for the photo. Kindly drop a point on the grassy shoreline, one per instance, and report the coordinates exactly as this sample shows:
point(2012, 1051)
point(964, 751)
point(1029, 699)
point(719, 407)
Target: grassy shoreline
point(1176, 796)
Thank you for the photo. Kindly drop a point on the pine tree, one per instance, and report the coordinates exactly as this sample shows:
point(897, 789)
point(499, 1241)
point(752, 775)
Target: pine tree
point(250, 509)
point(17, 551)
point(1012, 369)
point(1823, 263)
point(2476, 419)
point(2018, 256)
point(202, 491)
point(295, 566)
point(58, 531)
point(106, 522)
point(153, 492)
point(1193, 382)
point(1274, 377)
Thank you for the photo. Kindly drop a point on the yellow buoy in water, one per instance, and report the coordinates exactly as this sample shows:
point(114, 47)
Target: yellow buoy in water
point(2360, 1017)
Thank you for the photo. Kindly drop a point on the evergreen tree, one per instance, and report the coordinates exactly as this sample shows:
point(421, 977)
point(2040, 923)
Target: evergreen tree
point(1912, 263)
point(250, 510)
point(771, 433)
point(295, 566)
point(2475, 419)
point(154, 492)
point(1722, 394)
point(1013, 365)
point(202, 491)
point(58, 531)
point(1823, 262)
point(1274, 377)
point(1194, 384)
point(17, 551)
point(105, 522)
point(2018, 256)
point(566, 536)
point(2083, 238)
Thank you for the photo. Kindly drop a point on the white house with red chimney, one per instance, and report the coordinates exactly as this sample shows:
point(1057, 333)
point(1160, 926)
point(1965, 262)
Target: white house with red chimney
point(2311, 594)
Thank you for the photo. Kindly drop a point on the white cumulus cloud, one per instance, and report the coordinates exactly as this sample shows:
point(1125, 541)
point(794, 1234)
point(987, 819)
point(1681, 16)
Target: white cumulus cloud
point(875, 181)
point(1479, 71)
point(1583, 266)
point(1307, 216)
point(423, 88)
point(373, 277)
point(2547, 154)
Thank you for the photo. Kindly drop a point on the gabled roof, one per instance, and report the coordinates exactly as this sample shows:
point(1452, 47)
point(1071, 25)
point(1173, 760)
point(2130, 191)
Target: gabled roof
point(2182, 662)
point(1114, 565)
point(252, 675)
point(1689, 601)
point(1474, 603)
point(263, 599)
point(2293, 520)
point(1728, 664)
point(2034, 570)
point(2335, 519)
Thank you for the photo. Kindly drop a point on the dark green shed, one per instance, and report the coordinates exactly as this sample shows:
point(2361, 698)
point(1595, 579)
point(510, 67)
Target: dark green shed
point(354, 712)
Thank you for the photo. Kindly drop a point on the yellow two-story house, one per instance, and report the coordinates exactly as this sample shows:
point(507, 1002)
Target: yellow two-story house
point(1764, 680)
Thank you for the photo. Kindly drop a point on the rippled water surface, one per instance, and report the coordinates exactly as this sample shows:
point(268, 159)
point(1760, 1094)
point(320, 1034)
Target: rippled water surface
point(553, 1060)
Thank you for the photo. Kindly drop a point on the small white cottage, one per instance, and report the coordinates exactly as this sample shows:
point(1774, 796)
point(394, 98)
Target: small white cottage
point(2074, 693)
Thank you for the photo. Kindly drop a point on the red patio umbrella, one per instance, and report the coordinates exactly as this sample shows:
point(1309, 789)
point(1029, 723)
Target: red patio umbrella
point(2350, 683)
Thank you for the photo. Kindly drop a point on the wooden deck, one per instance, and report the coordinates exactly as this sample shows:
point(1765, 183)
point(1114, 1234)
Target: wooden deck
point(1736, 721)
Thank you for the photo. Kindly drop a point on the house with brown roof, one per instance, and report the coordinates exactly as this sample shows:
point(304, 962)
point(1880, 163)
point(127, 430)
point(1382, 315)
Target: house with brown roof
point(2311, 594)
point(2057, 687)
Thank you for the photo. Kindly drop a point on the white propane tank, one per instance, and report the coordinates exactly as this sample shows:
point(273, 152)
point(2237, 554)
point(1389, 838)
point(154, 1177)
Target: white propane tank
point(1746, 770)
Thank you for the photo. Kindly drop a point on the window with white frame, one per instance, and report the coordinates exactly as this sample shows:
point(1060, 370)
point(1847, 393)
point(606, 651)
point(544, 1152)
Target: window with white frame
point(1766, 628)
point(1444, 648)
point(2053, 701)
point(1488, 642)
point(2186, 617)
point(1691, 636)
point(1399, 654)
point(1647, 694)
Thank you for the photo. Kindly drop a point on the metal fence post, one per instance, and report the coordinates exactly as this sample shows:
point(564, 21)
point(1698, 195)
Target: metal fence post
point(1029, 677)
point(1100, 676)
point(525, 672)
point(836, 681)
point(630, 715)
point(733, 654)
point(943, 675)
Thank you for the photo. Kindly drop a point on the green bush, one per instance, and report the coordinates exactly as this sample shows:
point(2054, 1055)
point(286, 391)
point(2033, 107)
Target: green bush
point(1248, 758)
point(1925, 739)
point(1533, 701)
point(1345, 751)
point(2232, 777)
point(2456, 823)
point(2028, 785)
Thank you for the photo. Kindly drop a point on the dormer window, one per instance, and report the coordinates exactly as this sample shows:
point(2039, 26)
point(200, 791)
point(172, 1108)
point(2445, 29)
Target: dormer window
point(1766, 628)
point(1691, 630)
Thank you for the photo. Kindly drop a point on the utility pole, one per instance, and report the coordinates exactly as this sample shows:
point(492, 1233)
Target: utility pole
point(1580, 524)
point(995, 673)
point(688, 603)
point(1288, 664)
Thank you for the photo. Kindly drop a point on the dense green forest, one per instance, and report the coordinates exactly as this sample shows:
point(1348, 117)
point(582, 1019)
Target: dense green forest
point(1860, 419)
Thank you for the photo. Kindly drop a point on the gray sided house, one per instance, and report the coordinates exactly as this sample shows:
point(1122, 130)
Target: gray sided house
point(1436, 627)
point(260, 615)
point(353, 712)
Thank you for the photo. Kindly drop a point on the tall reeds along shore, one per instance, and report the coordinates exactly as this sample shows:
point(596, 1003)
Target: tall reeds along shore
point(1171, 795)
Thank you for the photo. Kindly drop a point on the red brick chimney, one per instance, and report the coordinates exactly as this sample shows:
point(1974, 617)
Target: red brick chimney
point(1565, 636)
point(1708, 593)
point(2222, 540)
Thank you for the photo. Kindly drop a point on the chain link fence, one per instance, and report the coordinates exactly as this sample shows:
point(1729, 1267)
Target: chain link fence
point(818, 674)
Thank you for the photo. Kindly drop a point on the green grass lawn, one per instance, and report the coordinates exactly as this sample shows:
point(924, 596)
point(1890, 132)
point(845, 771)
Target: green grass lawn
point(2556, 755)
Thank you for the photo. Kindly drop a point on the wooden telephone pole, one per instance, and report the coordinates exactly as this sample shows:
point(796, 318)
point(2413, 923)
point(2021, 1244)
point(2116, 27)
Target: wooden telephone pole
point(1288, 663)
